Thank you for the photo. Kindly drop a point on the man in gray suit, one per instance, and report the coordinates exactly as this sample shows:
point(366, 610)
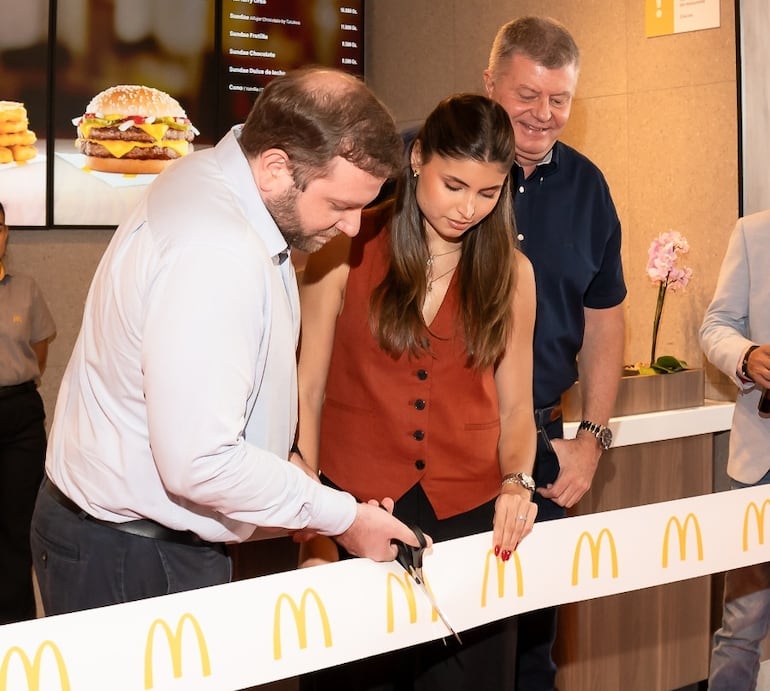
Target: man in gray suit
point(735, 336)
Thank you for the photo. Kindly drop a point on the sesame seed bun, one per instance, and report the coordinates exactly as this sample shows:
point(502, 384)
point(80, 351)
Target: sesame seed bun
point(135, 99)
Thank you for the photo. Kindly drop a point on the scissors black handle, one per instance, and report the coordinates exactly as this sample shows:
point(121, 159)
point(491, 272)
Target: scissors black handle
point(411, 557)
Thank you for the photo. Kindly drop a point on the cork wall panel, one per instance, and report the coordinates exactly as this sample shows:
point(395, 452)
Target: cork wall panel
point(476, 26)
point(682, 176)
point(687, 59)
point(410, 55)
point(599, 27)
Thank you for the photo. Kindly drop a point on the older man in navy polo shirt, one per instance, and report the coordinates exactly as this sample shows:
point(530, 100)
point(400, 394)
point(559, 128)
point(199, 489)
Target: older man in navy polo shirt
point(569, 229)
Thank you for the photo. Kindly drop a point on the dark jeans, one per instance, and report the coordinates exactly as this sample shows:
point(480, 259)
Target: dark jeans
point(483, 661)
point(22, 457)
point(81, 564)
point(535, 668)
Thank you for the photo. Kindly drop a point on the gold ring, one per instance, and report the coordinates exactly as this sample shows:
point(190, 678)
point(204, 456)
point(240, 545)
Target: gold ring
point(522, 518)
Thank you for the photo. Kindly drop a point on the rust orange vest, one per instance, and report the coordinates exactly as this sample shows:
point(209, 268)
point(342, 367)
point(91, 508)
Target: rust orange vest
point(389, 423)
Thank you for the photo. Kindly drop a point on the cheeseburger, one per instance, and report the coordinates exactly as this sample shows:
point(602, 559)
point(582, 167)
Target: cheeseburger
point(133, 129)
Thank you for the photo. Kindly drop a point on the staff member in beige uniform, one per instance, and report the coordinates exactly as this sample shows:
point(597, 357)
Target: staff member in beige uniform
point(26, 327)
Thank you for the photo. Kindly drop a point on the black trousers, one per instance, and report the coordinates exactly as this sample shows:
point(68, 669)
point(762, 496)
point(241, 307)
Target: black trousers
point(22, 458)
point(485, 659)
point(82, 564)
point(535, 668)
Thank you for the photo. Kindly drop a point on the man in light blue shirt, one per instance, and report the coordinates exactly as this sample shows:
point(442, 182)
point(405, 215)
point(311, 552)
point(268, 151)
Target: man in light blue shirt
point(178, 408)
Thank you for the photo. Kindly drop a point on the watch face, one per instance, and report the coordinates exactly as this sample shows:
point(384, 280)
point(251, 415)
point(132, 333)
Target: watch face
point(605, 438)
point(528, 482)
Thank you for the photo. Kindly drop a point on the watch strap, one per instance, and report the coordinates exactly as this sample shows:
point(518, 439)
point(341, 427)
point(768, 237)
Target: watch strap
point(602, 433)
point(744, 371)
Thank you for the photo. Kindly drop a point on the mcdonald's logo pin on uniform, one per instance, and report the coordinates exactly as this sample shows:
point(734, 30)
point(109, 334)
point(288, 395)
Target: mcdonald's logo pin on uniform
point(595, 547)
point(33, 668)
point(174, 641)
point(299, 616)
point(681, 532)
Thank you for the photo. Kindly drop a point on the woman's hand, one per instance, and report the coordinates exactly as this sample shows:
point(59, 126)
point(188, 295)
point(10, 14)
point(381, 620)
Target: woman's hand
point(514, 517)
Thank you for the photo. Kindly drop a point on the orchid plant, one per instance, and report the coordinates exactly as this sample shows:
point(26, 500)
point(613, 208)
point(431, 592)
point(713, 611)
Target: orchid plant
point(664, 269)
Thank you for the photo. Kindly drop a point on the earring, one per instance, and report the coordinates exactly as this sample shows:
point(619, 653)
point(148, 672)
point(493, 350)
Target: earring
point(415, 173)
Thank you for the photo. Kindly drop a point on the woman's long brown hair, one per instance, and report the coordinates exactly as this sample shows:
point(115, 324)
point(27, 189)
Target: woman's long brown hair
point(463, 126)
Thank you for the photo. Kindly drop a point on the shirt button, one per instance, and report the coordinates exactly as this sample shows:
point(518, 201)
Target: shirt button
point(521, 189)
point(422, 374)
point(419, 435)
point(419, 404)
point(520, 237)
point(420, 465)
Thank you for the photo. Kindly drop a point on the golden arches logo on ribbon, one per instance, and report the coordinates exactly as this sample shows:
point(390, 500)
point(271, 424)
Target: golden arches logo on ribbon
point(299, 614)
point(32, 668)
point(759, 515)
point(174, 641)
point(500, 572)
point(404, 583)
point(595, 546)
point(682, 531)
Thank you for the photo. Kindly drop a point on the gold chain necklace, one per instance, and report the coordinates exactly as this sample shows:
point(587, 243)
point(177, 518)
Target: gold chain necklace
point(431, 257)
point(432, 280)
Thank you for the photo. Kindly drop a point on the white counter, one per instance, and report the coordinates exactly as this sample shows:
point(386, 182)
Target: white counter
point(713, 416)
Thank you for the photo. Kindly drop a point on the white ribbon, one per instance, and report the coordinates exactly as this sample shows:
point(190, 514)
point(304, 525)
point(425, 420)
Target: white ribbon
point(257, 631)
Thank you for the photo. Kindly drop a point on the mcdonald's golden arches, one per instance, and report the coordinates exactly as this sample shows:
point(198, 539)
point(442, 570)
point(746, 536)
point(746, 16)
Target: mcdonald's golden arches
point(33, 668)
point(500, 571)
point(759, 515)
point(300, 620)
point(174, 640)
point(681, 531)
point(595, 547)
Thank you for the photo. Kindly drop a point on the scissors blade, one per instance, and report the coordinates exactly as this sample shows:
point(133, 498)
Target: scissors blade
point(424, 587)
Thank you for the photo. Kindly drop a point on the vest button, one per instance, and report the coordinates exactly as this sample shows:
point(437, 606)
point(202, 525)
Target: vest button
point(422, 374)
point(420, 465)
point(419, 435)
point(419, 404)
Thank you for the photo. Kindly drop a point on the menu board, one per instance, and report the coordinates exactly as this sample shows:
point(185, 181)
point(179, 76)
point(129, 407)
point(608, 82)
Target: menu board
point(262, 39)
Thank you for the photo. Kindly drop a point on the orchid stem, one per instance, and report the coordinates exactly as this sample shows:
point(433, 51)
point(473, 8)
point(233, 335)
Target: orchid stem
point(656, 322)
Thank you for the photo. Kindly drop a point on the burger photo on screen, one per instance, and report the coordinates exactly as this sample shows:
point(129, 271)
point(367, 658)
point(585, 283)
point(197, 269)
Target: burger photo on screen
point(133, 129)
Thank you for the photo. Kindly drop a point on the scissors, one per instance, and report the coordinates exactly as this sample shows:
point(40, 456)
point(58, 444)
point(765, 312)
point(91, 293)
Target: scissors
point(411, 559)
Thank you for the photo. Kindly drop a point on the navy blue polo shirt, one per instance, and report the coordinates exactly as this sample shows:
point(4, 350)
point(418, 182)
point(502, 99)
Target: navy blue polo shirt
point(569, 230)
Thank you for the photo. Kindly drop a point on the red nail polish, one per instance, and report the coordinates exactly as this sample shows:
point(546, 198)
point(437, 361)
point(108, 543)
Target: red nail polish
point(506, 555)
point(497, 550)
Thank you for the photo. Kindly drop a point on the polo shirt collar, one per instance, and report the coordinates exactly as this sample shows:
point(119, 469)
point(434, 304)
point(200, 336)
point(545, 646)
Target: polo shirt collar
point(549, 164)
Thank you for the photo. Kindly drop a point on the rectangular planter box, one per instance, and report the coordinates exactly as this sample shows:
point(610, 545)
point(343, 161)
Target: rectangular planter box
point(646, 393)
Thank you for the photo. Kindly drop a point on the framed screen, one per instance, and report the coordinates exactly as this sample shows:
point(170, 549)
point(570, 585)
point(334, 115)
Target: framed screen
point(24, 106)
point(212, 56)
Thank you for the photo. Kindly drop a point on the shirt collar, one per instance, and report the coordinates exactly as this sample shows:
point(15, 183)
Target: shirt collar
point(233, 160)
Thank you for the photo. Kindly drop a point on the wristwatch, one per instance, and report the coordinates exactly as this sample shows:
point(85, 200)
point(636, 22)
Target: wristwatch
point(522, 479)
point(603, 434)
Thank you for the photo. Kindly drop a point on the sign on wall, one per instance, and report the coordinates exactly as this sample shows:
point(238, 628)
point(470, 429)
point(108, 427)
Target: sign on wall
point(664, 17)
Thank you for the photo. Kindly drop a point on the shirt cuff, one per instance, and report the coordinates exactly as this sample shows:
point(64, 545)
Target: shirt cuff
point(333, 511)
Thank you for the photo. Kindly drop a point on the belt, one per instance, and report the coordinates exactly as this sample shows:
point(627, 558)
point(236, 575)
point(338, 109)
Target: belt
point(142, 528)
point(544, 416)
point(16, 389)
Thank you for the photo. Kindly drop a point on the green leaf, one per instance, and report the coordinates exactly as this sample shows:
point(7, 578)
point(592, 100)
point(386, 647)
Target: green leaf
point(666, 364)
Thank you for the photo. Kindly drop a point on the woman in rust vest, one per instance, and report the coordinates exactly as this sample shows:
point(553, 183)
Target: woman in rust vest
point(416, 373)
